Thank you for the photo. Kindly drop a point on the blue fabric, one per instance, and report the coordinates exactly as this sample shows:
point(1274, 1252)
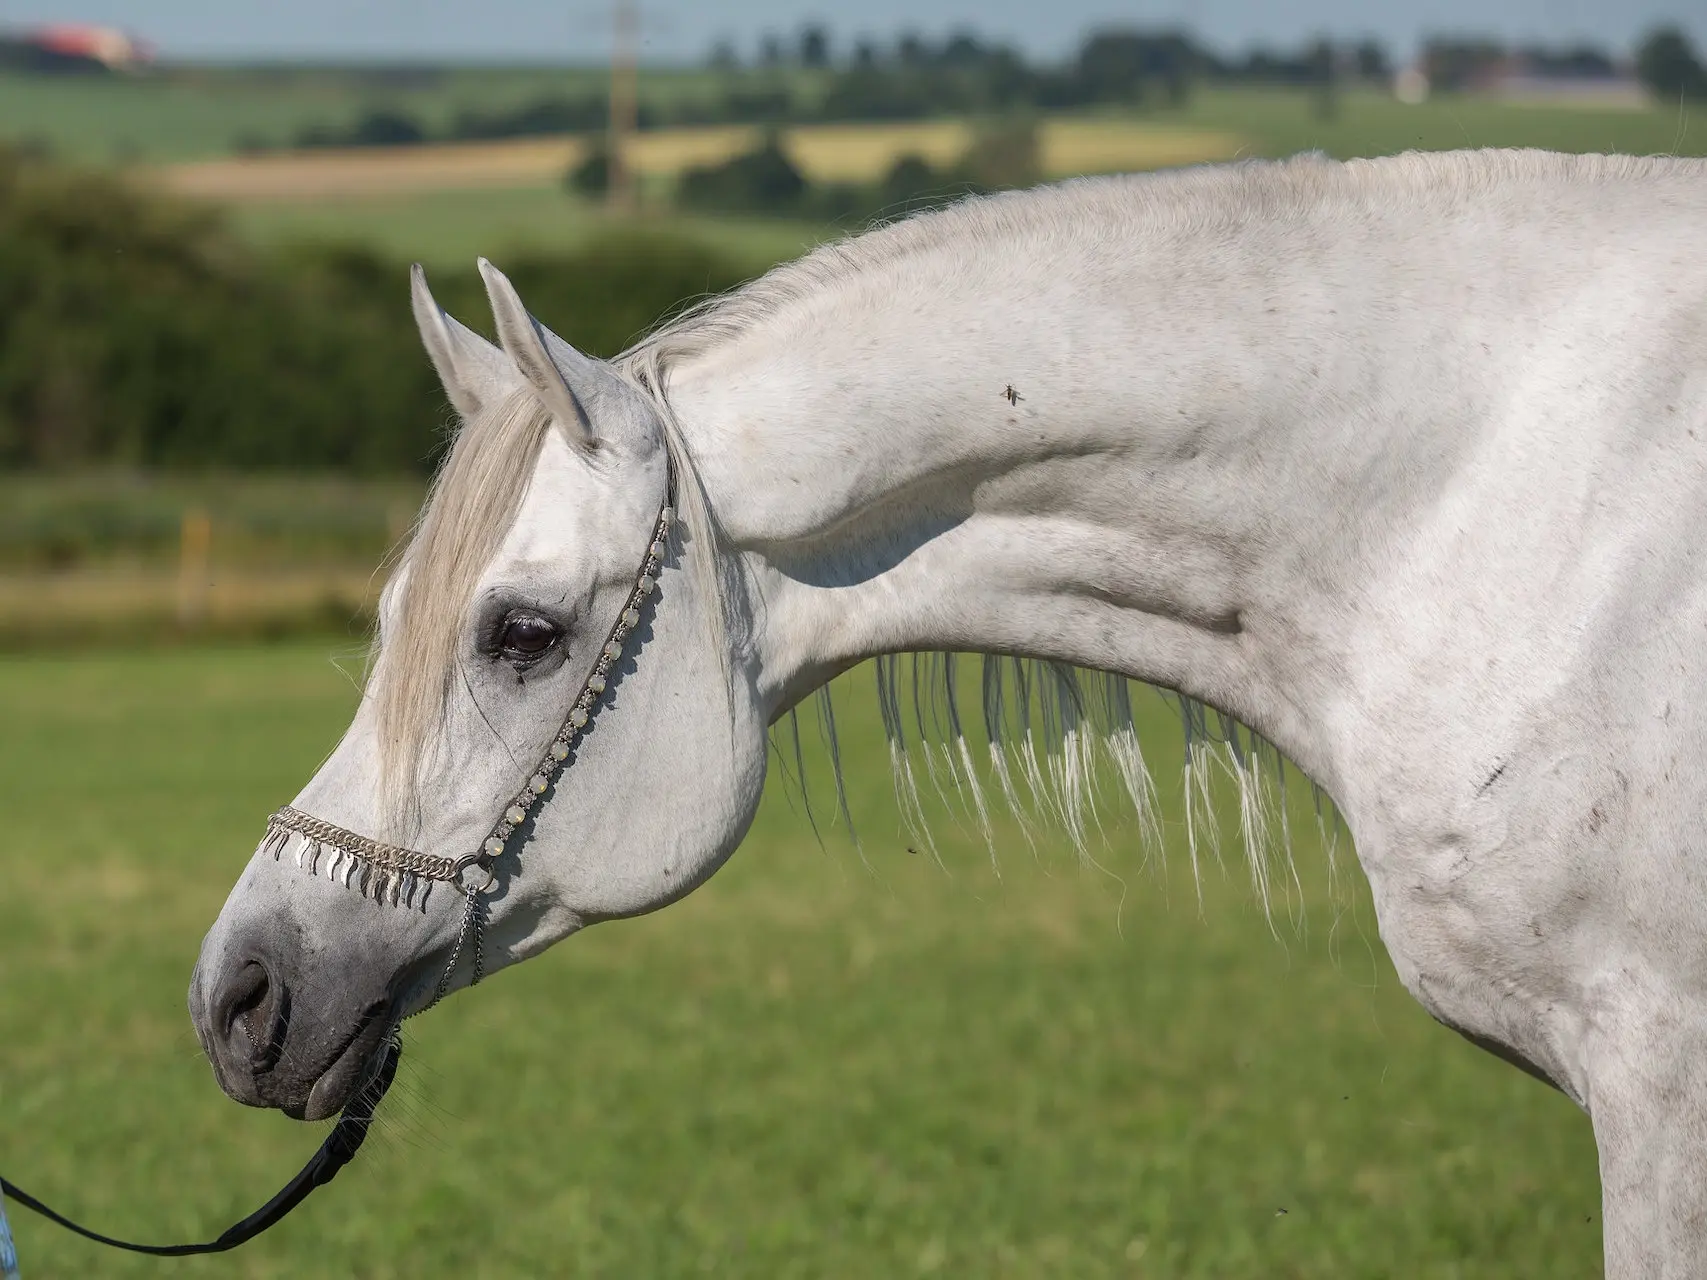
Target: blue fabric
point(8, 1251)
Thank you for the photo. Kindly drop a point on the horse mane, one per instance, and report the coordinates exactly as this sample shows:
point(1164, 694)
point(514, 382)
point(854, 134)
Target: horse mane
point(1154, 203)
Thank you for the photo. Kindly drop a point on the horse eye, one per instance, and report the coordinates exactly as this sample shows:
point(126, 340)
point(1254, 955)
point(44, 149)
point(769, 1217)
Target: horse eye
point(527, 636)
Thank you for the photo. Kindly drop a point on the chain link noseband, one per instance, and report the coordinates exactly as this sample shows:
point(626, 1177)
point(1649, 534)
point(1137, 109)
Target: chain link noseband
point(392, 874)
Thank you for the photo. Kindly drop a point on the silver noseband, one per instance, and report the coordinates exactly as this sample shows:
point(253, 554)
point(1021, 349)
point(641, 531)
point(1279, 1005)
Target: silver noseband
point(391, 874)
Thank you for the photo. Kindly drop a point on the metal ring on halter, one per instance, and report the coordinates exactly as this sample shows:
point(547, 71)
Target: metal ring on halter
point(468, 860)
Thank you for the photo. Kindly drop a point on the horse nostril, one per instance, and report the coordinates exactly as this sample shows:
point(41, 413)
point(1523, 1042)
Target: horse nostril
point(252, 1016)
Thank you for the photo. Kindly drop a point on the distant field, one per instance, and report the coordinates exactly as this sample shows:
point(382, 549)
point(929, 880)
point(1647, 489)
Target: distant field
point(449, 203)
point(373, 171)
point(826, 1063)
point(1217, 125)
point(831, 152)
point(206, 112)
point(183, 113)
point(452, 228)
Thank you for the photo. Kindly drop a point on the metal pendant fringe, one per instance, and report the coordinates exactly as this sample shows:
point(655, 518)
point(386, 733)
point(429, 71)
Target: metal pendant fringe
point(320, 851)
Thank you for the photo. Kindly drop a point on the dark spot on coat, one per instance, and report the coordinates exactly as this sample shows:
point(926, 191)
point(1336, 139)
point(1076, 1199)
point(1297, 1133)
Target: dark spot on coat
point(1491, 779)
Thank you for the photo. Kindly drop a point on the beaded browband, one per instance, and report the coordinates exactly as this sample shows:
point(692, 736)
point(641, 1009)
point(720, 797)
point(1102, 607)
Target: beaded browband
point(391, 874)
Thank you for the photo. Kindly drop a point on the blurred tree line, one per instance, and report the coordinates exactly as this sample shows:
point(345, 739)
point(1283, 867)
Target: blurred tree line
point(808, 80)
point(139, 332)
point(1665, 63)
point(914, 78)
point(1669, 67)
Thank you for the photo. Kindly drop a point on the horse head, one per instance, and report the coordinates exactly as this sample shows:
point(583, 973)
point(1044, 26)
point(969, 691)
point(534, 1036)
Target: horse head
point(555, 708)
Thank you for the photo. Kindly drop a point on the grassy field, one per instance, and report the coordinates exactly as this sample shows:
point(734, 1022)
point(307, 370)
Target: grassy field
point(827, 1062)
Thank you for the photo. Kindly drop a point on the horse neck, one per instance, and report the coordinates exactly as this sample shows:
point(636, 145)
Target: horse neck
point(1153, 454)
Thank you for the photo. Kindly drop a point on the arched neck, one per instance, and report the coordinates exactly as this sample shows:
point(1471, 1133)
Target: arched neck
point(1150, 454)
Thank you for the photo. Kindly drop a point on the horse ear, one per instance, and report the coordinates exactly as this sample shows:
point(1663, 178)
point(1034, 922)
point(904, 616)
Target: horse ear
point(470, 368)
point(523, 339)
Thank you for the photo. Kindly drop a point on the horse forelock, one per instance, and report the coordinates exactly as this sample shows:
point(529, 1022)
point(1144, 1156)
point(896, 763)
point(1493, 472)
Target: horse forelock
point(473, 502)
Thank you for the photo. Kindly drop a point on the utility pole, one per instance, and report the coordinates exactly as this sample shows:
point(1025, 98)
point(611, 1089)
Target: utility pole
point(624, 105)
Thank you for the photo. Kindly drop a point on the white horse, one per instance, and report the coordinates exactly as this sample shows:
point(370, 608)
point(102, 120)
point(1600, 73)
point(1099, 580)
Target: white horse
point(1401, 463)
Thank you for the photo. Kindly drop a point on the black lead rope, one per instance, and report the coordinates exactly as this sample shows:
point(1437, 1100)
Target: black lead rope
point(339, 1148)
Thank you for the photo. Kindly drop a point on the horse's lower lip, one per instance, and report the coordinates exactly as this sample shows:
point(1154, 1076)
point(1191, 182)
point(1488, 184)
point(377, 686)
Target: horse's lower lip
point(348, 1070)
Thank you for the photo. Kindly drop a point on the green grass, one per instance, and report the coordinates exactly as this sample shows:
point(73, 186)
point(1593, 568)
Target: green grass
point(453, 228)
point(821, 1064)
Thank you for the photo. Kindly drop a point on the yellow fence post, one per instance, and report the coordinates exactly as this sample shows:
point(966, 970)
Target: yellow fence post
point(194, 541)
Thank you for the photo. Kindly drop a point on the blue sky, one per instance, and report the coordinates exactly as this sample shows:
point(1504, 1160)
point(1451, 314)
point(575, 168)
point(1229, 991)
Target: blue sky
point(684, 29)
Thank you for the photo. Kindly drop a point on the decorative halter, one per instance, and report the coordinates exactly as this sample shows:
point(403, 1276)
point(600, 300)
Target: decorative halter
point(391, 874)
